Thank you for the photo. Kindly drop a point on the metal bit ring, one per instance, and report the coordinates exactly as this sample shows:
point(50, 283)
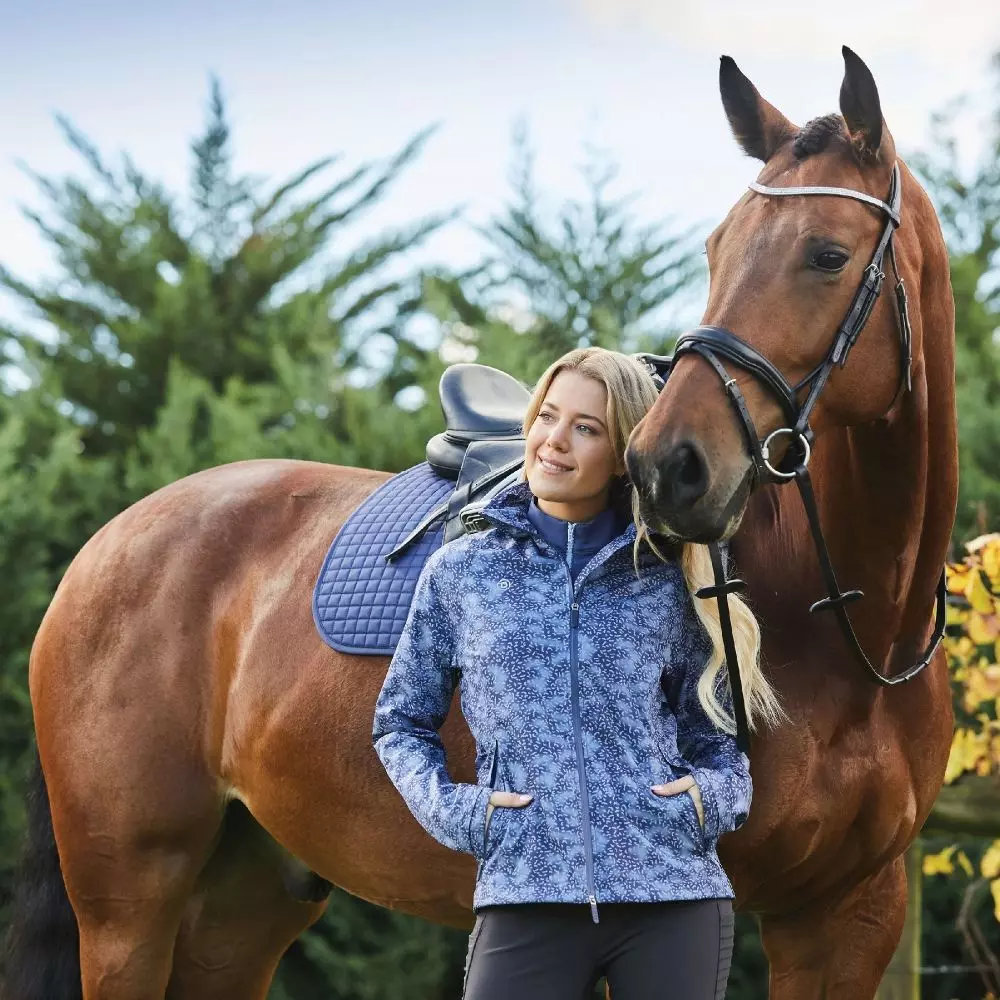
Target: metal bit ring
point(765, 455)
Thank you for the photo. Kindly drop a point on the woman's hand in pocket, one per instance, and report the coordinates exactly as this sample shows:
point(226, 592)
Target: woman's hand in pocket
point(506, 800)
point(685, 784)
point(509, 800)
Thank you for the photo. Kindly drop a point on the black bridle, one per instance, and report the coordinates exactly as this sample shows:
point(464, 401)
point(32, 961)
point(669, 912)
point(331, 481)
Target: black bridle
point(713, 342)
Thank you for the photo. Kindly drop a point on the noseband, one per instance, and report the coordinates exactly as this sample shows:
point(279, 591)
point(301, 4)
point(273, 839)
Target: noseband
point(713, 342)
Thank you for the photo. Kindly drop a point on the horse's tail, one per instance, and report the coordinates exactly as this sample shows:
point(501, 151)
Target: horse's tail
point(41, 954)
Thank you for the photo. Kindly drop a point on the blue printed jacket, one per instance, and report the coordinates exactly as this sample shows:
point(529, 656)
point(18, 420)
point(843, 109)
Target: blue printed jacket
point(582, 694)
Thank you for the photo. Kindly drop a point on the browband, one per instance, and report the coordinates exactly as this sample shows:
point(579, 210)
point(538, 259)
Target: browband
point(892, 212)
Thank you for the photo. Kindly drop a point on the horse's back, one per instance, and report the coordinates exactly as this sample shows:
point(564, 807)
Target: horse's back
point(197, 530)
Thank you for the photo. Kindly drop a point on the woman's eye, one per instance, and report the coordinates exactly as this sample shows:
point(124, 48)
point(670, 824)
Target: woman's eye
point(585, 427)
point(830, 260)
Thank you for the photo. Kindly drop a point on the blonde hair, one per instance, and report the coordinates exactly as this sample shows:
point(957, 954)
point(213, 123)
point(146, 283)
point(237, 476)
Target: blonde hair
point(631, 392)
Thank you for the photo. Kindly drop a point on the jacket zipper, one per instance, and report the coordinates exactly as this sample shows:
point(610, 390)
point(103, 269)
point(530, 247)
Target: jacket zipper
point(574, 676)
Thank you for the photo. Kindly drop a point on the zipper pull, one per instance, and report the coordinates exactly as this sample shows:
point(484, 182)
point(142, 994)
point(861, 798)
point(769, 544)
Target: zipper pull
point(574, 614)
point(593, 909)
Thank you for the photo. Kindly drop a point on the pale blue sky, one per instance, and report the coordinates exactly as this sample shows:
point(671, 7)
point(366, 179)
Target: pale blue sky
point(305, 78)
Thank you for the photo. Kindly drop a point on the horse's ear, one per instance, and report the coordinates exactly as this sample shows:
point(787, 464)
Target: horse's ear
point(860, 106)
point(759, 127)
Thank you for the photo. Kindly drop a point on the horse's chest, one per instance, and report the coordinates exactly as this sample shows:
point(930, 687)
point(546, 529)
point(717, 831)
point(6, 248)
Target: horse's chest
point(825, 811)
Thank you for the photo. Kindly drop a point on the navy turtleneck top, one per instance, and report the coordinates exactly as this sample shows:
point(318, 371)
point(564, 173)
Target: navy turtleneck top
point(588, 536)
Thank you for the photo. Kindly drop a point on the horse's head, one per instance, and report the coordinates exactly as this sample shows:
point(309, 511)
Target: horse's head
point(785, 272)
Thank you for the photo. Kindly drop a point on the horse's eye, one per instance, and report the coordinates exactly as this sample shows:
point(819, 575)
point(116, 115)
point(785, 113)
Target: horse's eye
point(830, 260)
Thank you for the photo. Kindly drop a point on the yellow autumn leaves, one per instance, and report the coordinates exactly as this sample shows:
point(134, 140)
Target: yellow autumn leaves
point(973, 648)
point(943, 863)
point(974, 657)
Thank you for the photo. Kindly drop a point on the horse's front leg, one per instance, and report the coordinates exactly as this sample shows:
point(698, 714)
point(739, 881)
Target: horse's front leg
point(841, 952)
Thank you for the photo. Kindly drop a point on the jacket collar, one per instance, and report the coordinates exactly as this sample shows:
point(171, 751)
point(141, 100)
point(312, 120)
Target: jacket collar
point(508, 511)
point(588, 536)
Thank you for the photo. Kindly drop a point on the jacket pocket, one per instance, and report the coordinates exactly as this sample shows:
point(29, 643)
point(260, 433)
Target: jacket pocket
point(678, 810)
point(681, 769)
point(491, 811)
point(698, 828)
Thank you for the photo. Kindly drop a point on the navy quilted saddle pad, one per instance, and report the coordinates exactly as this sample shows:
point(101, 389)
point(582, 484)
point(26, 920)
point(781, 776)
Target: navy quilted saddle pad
point(360, 601)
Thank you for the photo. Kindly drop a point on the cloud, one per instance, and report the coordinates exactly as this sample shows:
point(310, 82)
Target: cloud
point(937, 32)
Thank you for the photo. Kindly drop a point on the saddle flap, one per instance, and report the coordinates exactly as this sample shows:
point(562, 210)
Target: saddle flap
point(484, 457)
point(485, 471)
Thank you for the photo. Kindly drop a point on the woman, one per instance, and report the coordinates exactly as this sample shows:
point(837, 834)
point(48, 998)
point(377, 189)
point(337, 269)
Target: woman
point(597, 696)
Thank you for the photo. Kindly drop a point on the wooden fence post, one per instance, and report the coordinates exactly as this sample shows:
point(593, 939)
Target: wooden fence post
point(902, 977)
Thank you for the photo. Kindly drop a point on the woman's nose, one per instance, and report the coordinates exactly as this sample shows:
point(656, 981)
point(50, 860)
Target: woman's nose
point(558, 437)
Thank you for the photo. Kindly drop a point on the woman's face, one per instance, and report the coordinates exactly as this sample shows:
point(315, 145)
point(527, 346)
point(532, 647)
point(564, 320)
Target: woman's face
point(569, 460)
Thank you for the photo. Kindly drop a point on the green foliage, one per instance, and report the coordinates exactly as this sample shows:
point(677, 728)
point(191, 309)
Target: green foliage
point(184, 333)
point(363, 952)
point(584, 273)
point(219, 287)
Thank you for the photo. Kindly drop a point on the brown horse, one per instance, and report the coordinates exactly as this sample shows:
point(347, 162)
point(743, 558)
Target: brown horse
point(177, 672)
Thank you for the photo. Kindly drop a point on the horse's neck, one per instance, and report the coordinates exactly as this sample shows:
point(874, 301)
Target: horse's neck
point(886, 496)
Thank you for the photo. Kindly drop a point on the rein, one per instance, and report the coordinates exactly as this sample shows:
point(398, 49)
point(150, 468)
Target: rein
point(711, 342)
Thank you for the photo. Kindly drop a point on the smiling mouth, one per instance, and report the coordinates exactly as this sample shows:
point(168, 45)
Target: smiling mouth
point(552, 466)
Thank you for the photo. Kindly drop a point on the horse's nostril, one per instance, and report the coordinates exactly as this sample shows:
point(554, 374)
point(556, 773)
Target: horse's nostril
point(685, 476)
point(689, 470)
